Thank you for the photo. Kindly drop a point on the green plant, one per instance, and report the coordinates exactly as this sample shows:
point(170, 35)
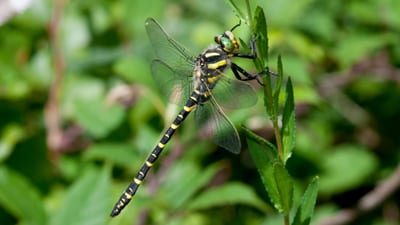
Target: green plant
point(343, 59)
point(271, 159)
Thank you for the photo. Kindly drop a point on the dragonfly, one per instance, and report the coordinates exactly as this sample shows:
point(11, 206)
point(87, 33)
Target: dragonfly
point(202, 84)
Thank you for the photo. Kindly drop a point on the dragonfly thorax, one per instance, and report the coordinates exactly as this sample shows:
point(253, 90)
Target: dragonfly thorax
point(209, 67)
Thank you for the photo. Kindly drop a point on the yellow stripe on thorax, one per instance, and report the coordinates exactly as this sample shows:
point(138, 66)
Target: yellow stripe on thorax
point(216, 65)
point(213, 79)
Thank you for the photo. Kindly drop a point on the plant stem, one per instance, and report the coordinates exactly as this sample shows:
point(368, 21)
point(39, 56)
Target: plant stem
point(278, 138)
point(286, 218)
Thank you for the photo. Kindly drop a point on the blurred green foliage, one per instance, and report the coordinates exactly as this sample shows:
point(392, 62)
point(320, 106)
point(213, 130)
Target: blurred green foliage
point(343, 58)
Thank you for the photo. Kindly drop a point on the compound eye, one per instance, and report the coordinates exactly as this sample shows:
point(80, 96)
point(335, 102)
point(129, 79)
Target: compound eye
point(227, 44)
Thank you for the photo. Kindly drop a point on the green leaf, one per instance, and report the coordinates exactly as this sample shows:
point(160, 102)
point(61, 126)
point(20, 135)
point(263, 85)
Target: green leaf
point(230, 193)
point(358, 44)
point(73, 23)
point(284, 185)
point(98, 118)
point(236, 9)
point(127, 68)
point(288, 131)
point(96, 57)
point(269, 103)
point(9, 137)
point(184, 180)
point(86, 202)
point(278, 84)
point(268, 146)
point(21, 198)
point(264, 155)
point(13, 85)
point(119, 153)
point(261, 40)
point(260, 31)
point(346, 167)
point(307, 204)
point(276, 179)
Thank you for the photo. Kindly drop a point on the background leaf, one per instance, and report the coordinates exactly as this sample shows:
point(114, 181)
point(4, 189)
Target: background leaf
point(95, 112)
point(230, 193)
point(342, 162)
point(86, 198)
point(184, 180)
point(21, 198)
point(118, 153)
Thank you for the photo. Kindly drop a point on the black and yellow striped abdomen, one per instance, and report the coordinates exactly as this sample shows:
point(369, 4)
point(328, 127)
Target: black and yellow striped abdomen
point(208, 69)
point(134, 185)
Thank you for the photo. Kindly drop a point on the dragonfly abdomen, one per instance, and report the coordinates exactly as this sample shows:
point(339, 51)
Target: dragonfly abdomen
point(125, 198)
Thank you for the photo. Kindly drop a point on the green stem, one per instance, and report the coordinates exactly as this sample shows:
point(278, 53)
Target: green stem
point(286, 218)
point(269, 101)
point(278, 138)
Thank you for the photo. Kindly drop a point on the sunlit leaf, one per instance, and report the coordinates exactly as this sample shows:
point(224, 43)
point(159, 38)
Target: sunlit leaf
point(10, 136)
point(86, 202)
point(184, 180)
point(121, 154)
point(98, 118)
point(230, 193)
point(306, 209)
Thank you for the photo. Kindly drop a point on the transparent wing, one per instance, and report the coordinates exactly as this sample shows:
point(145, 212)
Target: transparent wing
point(168, 50)
point(173, 86)
point(214, 124)
point(233, 94)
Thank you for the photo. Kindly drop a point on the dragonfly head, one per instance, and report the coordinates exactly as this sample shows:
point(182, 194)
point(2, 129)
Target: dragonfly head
point(227, 41)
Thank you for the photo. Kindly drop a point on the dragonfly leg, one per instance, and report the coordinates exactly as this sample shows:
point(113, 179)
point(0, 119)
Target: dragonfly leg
point(237, 70)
